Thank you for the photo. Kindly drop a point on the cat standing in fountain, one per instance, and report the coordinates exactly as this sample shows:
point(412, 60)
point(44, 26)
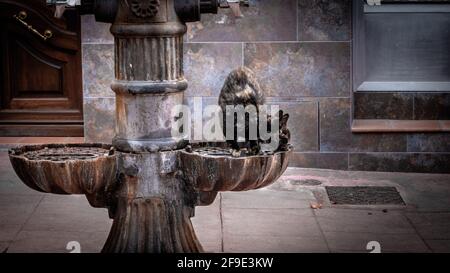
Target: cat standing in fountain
point(242, 88)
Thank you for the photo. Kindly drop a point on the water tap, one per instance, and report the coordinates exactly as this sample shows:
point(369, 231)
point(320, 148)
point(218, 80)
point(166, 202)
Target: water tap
point(104, 10)
point(187, 10)
point(235, 6)
point(61, 5)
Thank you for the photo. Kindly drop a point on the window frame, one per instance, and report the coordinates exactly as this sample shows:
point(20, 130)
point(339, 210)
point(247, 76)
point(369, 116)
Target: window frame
point(359, 82)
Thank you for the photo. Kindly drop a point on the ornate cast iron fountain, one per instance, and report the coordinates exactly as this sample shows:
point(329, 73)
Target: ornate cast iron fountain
point(147, 180)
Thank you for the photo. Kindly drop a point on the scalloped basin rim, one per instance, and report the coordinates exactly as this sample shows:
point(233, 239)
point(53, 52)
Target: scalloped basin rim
point(209, 173)
point(291, 149)
point(66, 175)
point(36, 147)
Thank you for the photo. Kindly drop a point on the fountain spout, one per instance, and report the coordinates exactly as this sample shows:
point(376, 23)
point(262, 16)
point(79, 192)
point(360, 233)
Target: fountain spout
point(235, 6)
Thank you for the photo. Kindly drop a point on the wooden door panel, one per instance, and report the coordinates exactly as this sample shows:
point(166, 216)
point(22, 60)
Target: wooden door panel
point(37, 75)
point(37, 78)
point(41, 79)
point(40, 16)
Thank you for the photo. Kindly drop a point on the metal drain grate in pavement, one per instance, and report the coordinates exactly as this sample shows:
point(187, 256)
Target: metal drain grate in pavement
point(364, 196)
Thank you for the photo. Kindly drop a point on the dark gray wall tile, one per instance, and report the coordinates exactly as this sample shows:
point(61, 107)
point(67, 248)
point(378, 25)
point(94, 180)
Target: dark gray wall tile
point(301, 69)
point(98, 70)
point(95, 32)
point(336, 135)
point(99, 121)
point(264, 20)
point(334, 161)
point(383, 105)
point(303, 124)
point(208, 65)
point(405, 162)
point(437, 142)
point(432, 106)
point(193, 104)
point(324, 20)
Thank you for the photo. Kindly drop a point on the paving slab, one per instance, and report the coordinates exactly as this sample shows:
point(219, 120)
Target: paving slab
point(267, 199)
point(270, 222)
point(68, 213)
point(320, 174)
point(268, 244)
point(56, 241)
point(15, 187)
point(427, 193)
point(431, 226)
point(439, 246)
point(372, 221)
point(16, 209)
point(208, 226)
point(357, 242)
point(8, 233)
point(4, 247)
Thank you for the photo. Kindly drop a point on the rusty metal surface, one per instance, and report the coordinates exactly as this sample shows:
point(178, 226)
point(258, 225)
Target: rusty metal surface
point(152, 204)
point(219, 171)
point(65, 153)
point(149, 76)
point(191, 10)
point(153, 59)
point(149, 198)
point(65, 169)
point(152, 225)
point(206, 198)
point(146, 117)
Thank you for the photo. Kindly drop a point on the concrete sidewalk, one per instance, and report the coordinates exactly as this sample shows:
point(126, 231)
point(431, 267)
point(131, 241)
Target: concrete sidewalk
point(276, 219)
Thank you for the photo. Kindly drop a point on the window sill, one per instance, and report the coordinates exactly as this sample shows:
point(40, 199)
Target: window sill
point(413, 86)
point(399, 126)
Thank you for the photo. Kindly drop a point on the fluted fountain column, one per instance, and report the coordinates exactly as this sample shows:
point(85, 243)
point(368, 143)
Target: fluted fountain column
point(153, 205)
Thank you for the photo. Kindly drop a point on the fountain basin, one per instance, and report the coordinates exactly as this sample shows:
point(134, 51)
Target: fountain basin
point(214, 169)
point(65, 168)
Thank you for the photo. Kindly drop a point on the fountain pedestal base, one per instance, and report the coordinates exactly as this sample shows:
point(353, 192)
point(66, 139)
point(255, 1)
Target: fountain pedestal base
point(152, 225)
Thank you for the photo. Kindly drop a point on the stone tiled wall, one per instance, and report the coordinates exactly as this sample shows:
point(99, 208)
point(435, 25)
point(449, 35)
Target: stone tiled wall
point(301, 52)
point(98, 74)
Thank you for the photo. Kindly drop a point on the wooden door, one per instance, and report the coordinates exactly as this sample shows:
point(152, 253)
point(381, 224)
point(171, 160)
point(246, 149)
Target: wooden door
point(40, 79)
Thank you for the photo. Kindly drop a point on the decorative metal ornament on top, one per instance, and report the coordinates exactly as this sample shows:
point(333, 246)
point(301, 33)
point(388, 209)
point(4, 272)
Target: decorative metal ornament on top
point(145, 8)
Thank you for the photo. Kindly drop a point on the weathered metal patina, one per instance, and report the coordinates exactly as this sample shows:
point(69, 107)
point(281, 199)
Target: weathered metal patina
point(216, 169)
point(66, 169)
point(149, 184)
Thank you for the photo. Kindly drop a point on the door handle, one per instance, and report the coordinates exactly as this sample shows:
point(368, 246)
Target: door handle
point(21, 18)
